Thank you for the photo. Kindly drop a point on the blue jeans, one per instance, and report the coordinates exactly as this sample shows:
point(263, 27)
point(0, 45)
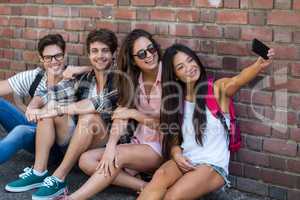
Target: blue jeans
point(20, 132)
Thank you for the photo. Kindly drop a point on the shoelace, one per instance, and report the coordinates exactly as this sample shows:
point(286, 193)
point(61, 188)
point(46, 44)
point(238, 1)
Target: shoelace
point(27, 172)
point(49, 182)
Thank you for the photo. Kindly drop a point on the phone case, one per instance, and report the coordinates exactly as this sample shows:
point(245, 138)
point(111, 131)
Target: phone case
point(260, 48)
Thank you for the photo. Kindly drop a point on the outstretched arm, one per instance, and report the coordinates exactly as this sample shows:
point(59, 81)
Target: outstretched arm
point(230, 86)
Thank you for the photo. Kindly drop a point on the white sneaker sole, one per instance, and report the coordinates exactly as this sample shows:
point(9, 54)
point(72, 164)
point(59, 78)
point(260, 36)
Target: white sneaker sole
point(61, 191)
point(23, 189)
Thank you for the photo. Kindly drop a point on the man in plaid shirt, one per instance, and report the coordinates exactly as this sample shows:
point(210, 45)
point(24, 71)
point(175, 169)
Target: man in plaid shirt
point(96, 99)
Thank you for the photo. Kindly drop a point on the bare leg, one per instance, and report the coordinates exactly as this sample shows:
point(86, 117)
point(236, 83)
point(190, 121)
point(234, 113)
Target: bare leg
point(45, 138)
point(195, 184)
point(163, 178)
point(90, 129)
point(129, 156)
point(89, 161)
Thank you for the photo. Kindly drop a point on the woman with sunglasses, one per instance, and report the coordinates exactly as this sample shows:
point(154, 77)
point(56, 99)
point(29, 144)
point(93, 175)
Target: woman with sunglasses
point(197, 146)
point(139, 87)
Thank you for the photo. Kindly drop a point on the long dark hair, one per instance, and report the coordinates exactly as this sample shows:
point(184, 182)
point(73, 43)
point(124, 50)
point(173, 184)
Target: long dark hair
point(125, 63)
point(173, 100)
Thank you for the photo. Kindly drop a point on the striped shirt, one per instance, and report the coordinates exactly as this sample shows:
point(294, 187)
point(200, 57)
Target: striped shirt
point(21, 82)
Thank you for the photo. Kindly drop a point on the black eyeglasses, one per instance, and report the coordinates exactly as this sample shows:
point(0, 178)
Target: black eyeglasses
point(57, 57)
point(142, 54)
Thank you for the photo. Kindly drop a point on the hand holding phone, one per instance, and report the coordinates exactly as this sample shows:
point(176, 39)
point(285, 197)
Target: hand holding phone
point(260, 48)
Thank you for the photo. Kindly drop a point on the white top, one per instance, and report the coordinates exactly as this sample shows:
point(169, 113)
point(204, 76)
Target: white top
point(215, 143)
point(21, 82)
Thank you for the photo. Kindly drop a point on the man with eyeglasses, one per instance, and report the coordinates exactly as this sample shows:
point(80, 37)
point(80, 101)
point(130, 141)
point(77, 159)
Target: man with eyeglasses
point(19, 127)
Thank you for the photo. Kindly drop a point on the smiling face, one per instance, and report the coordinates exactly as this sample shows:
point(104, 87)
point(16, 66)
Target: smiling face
point(145, 54)
point(186, 68)
point(100, 55)
point(53, 60)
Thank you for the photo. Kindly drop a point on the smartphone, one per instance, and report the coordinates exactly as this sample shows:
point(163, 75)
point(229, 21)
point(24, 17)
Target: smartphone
point(260, 48)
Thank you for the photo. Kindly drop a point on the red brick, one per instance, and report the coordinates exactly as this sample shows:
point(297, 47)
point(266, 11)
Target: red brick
point(252, 186)
point(124, 27)
point(209, 4)
point(252, 172)
point(148, 27)
point(230, 48)
point(78, 2)
point(284, 18)
point(30, 56)
point(295, 69)
point(294, 102)
point(252, 157)
point(45, 23)
point(286, 52)
point(293, 194)
point(296, 5)
point(231, 3)
point(7, 32)
point(207, 31)
point(142, 14)
point(255, 128)
point(165, 42)
point(241, 110)
point(35, 10)
point(107, 25)
point(4, 21)
point(188, 16)
point(282, 36)
point(164, 15)
point(75, 24)
point(106, 2)
point(8, 54)
point(191, 43)
point(5, 10)
point(257, 18)
point(293, 85)
point(143, 2)
point(236, 168)
point(293, 166)
point(4, 64)
point(283, 4)
point(162, 29)
point(278, 163)
point(208, 46)
point(279, 178)
point(280, 147)
point(124, 13)
point(17, 44)
point(17, 21)
point(261, 33)
point(77, 49)
point(31, 34)
point(254, 143)
point(60, 11)
point(90, 12)
point(181, 30)
point(232, 17)
point(261, 4)
point(181, 3)
point(207, 16)
point(295, 134)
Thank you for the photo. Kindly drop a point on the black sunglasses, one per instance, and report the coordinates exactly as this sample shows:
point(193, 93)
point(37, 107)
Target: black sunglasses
point(142, 54)
point(57, 57)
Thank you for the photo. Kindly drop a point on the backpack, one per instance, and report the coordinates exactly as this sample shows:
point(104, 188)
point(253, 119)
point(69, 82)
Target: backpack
point(234, 131)
point(35, 83)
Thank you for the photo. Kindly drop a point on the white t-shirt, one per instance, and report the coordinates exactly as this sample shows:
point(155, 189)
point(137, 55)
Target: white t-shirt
point(215, 143)
point(21, 82)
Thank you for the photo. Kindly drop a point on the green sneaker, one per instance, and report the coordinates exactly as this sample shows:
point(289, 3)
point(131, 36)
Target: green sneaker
point(27, 181)
point(50, 189)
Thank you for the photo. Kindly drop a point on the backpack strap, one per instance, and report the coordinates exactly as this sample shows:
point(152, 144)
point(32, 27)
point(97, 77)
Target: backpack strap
point(36, 82)
point(213, 106)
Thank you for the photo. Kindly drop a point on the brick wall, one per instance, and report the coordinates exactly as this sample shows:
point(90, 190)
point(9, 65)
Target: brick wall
point(268, 108)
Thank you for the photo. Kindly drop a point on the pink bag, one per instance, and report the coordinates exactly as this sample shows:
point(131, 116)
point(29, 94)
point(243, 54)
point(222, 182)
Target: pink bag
point(234, 131)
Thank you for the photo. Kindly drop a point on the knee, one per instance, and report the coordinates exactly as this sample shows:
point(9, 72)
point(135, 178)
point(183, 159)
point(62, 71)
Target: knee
point(173, 195)
point(20, 132)
point(84, 165)
point(91, 124)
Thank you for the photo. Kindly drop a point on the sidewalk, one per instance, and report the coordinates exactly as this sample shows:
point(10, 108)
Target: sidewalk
point(10, 170)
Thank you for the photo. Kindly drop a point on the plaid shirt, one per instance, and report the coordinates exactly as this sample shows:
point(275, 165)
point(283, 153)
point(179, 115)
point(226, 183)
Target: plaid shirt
point(69, 91)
